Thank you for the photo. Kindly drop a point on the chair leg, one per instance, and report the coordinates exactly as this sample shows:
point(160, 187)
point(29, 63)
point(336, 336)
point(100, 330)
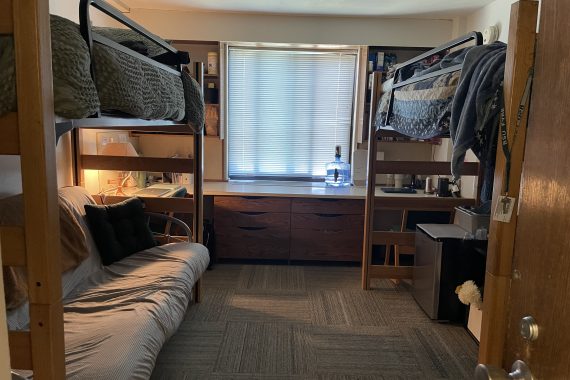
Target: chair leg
point(197, 291)
point(387, 255)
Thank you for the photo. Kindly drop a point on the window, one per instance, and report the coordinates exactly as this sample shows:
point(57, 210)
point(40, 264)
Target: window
point(287, 110)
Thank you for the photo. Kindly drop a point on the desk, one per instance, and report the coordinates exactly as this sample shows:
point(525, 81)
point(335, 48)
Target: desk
point(305, 190)
point(297, 221)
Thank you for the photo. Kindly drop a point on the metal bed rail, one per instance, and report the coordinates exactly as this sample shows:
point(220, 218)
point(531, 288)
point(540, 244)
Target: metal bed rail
point(472, 36)
point(172, 57)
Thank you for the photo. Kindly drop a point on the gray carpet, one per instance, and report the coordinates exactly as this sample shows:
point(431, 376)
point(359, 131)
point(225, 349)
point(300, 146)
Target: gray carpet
point(300, 322)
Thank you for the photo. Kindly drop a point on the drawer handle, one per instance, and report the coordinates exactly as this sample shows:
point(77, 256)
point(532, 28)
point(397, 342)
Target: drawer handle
point(252, 212)
point(252, 197)
point(330, 232)
point(252, 228)
point(328, 200)
point(328, 215)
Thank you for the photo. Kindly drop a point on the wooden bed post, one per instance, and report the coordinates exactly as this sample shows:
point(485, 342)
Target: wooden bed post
point(32, 41)
point(370, 195)
point(198, 194)
point(520, 59)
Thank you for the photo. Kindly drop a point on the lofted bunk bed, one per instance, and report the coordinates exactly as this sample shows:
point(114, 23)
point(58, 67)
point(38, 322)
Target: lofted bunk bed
point(83, 78)
point(427, 98)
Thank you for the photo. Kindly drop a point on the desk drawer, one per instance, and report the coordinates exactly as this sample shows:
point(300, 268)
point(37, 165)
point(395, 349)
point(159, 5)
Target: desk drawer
point(327, 205)
point(323, 222)
point(326, 245)
point(224, 218)
point(254, 204)
point(250, 242)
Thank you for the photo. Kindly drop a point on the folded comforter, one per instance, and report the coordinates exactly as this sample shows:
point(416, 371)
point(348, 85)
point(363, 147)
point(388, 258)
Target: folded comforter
point(124, 84)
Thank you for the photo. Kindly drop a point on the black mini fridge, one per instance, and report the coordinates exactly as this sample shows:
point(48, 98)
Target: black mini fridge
point(445, 259)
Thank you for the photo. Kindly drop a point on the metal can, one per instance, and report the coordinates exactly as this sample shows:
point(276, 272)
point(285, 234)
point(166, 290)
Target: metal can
point(429, 186)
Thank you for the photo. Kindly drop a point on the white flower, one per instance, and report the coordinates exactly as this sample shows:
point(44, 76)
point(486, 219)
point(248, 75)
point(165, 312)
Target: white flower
point(468, 293)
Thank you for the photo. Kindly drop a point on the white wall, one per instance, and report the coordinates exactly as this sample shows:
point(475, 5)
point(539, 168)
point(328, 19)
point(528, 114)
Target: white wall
point(496, 13)
point(219, 26)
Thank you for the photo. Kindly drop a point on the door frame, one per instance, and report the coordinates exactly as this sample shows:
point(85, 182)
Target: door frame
point(519, 61)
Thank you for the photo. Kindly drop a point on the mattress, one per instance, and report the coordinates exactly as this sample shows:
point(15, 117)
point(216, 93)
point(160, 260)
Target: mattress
point(117, 321)
point(123, 84)
point(116, 318)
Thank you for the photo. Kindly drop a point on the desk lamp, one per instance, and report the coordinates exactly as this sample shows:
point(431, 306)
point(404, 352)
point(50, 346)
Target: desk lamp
point(124, 149)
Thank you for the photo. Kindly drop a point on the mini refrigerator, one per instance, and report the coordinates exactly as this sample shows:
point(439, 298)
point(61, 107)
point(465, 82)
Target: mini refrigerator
point(444, 260)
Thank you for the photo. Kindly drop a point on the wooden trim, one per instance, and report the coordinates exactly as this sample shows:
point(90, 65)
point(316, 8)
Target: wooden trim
point(424, 168)
point(153, 204)
point(10, 141)
point(422, 204)
point(150, 164)
point(394, 238)
point(13, 243)
point(20, 349)
point(495, 301)
point(6, 17)
point(32, 46)
point(520, 59)
point(392, 272)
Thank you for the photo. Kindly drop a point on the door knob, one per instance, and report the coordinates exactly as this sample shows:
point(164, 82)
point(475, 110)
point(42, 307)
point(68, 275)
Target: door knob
point(519, 371)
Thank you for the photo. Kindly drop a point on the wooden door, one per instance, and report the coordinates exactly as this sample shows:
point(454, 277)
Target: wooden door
point(541, 266)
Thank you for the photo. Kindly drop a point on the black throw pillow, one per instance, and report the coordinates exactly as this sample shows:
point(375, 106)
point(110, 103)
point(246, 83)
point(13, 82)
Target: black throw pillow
point(119, 230)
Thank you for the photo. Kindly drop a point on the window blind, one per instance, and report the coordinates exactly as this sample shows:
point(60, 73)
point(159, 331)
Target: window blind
point(287, 110)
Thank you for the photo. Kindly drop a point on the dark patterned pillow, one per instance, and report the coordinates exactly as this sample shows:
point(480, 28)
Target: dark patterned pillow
point(119, 230)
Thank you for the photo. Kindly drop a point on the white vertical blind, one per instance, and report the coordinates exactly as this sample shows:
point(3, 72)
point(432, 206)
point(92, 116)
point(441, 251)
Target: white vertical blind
point(287, 110)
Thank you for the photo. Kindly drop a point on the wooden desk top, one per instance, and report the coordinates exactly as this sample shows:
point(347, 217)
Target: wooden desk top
point(305, 190)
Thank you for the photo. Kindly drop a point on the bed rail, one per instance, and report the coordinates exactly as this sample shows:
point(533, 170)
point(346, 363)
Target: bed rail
point(472, 36)
point(35, 245)
point(172, 56)
point(149, 164)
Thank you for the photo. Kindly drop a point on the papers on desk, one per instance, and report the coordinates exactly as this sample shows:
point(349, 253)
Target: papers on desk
point(158, 190)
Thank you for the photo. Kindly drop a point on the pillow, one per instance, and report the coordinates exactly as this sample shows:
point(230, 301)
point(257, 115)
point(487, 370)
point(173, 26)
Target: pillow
point(119, 230)
point(73, 246)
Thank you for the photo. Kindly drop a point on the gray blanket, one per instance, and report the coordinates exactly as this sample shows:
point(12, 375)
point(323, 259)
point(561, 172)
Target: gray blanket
point(421, 109)
point(475, 110)
point(124, 84)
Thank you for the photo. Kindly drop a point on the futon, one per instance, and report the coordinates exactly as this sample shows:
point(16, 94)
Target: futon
point(117, 317)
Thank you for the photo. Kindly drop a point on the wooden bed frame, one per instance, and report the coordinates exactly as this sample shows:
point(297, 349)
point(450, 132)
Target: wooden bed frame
point(402, 241)
point(31, 133)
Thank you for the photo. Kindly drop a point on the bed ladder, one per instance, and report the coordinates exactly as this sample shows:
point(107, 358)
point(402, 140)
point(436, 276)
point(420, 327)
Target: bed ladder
point(29, 133)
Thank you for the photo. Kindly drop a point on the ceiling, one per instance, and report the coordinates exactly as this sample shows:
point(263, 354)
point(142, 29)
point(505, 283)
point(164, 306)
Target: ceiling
point(387, 8)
